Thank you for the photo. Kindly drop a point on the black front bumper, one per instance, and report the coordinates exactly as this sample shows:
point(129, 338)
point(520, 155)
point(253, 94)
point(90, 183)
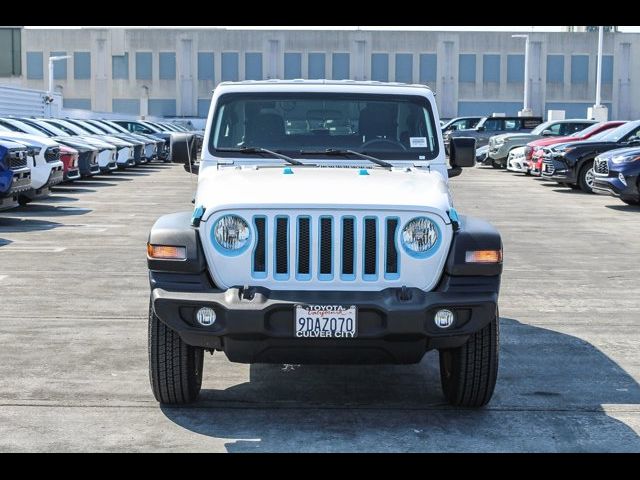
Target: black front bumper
point(612, 185)
point(258, 326)
point(558, 171)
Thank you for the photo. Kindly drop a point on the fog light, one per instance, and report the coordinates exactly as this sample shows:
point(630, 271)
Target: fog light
point(622, 179)
point(206, 316)
point(444, 318)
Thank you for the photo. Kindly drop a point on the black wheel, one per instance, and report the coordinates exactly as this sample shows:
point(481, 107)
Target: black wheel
point(175, 368)
point(631, 202)
point(468, 373)
point(585, 177)
point(23, 200)
point(495, 164)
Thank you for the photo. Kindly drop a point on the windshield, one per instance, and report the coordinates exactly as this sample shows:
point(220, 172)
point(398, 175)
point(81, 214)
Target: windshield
point(541, 128)
point(152, 126)
point(397, 127)
point(618, 133)
point(115, 126)
point(47, 128)
point(587, 131)
point(86, 126)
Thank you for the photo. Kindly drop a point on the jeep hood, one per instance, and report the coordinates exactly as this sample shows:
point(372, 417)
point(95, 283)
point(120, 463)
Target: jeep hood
point(330, 188)
point(32, 140)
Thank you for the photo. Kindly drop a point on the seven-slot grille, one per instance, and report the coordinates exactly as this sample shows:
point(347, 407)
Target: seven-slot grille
point(52, 154)
point(312, 254)
point(601, 166)
point(17, 159)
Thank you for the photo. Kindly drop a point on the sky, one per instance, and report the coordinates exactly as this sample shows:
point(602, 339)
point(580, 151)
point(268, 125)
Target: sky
point(634, 29)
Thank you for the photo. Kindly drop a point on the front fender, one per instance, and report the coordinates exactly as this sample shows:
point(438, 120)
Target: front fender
point(473, 234)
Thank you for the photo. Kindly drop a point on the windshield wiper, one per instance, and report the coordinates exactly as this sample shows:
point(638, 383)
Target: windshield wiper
point(333, 151)
point(290, 160)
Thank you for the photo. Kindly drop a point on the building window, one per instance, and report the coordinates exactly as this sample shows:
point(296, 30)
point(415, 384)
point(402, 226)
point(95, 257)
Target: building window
point(78, 103)
point(404, 67)
point(428, 67)
point(607, 69)
point(205, 66)
point(203, 107)
point(167, 64)
point(340, 66)
point(82, 65)
point(292, 65)
point(144, 61)
point(120, 67)
point(380, 67)
point(491, 68)
point(34, 66)
point(130, 106)
point(162, 107)
point(316, 65)
point(10, 52)
point(555, 68)
point(253, 66)
point(229, 66)
point(515, 68)
point(579, 69)
point(59, 66)
point(467, 67)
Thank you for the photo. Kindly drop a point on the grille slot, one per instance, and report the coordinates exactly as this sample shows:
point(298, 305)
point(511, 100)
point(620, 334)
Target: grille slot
point(52, 154)
point(304, 246)
point(16, 159)
point(370, 242)
point(391, 266)
point(348, 246)
point(326, 240)
point(601, 166)
point(260, 253)
point(282, 245)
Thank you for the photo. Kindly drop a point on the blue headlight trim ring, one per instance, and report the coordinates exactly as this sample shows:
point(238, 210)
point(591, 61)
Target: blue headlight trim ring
point(224, 251)
point(428, 253)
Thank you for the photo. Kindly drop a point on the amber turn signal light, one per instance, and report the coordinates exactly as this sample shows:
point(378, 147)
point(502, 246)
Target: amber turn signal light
point(166, 252)
point(484, 256)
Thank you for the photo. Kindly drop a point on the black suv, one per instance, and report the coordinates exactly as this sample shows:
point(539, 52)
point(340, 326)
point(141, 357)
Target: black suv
point(572, 163)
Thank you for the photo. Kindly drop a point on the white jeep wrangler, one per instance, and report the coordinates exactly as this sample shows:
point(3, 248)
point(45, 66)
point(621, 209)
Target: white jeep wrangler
point(324, 232)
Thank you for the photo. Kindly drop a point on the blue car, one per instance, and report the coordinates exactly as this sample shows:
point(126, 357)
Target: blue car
point(15, 175)
point(617, 173)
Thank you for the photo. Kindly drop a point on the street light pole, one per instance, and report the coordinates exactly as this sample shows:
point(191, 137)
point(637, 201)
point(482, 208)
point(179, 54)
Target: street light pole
point(599, 74)
point(526, 109)
point(598, 111)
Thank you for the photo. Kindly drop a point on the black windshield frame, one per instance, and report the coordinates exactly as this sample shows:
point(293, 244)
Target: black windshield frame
point(422, 101)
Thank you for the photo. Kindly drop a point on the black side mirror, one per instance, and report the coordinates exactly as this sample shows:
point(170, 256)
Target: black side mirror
point(480, 128)
point(462, 153)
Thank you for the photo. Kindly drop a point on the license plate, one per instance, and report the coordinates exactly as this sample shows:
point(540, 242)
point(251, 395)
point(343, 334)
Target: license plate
point(326, 321)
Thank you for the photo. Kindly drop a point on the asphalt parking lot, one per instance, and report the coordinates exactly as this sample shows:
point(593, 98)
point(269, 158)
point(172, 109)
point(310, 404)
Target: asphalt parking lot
point(73, 330)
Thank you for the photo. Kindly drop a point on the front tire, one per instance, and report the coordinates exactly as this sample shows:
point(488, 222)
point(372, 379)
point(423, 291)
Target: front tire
point(175, 368)
point(586, 177)
point(468, 373)
point(495, 164)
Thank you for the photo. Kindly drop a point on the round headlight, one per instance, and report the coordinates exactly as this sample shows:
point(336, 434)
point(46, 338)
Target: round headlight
point(419, 235)
point(231, 232)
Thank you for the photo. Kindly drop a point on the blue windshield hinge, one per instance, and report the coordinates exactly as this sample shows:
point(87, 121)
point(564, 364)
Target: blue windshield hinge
point(455, 221)
point(198, 212)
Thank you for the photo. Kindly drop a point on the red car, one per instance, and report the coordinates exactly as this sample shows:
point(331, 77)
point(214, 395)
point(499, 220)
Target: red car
point(534, 153)
point(69, 157)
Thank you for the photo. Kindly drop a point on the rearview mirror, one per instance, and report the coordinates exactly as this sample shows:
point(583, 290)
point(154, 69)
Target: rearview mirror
point(546, 133)
point(462, 153)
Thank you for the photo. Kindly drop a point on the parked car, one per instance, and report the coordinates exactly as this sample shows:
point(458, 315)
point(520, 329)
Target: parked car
point(490, 126)
point(125, 147)
point(501, 145)
point(572, 163)
point(144, 148)
point(294, 261)
point(43, 159)
point(161, 151)
point(108, 156)
point(181, 145)
point(535, 151)
point(516, 161)
point(617, 173)
point(69, 159)
point(481, 155)
point(87, 154)
point(15, 174)
point(461, 123)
